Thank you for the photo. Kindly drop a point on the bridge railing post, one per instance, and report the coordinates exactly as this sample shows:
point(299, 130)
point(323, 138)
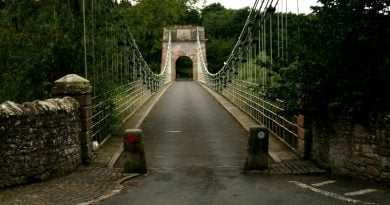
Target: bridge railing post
point(80, 89)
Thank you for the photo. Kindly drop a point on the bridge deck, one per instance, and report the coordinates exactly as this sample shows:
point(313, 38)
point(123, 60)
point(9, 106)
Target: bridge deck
point(187, 127)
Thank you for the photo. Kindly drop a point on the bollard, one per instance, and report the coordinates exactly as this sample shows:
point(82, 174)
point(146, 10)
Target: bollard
point(133, 150)
point(257, 148)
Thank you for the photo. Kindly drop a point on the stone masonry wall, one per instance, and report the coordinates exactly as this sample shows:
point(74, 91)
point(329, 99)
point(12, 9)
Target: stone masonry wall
point(355, 150)
point(38, 140)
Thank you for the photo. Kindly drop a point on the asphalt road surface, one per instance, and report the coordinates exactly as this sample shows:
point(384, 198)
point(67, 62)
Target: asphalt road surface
point(195, 154)
point(187, 127)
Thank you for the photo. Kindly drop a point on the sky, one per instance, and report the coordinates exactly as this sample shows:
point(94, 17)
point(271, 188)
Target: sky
point(303, 5)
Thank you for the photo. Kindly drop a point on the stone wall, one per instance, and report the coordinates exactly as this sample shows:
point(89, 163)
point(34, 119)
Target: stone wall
point(355, 150)
point(38, 140)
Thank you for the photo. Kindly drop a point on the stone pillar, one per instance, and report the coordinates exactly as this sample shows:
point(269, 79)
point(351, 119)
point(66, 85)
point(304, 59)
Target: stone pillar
point(304, 137)
point(80, 89)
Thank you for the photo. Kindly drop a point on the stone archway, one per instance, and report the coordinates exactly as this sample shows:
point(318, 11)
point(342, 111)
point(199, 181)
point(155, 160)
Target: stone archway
point(184, 43)
point(184, 68)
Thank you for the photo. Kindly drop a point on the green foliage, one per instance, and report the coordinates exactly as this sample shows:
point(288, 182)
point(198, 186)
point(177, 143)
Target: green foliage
point(223, 27)
point(223, 23)
point(42, 41)
point(37, 40)
point(218, 51)
point(148, 18)
point(191, 17)
point(108, 93)
point(343, 61)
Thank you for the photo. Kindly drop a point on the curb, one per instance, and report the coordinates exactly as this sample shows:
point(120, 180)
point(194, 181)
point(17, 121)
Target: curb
point(290, 167)
point(113, 192)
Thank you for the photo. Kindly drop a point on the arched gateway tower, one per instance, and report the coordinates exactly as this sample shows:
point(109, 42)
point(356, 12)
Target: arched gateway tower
point(184, 44)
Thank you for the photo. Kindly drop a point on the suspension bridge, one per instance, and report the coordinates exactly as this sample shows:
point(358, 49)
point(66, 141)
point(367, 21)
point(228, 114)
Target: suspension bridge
point(243, 80)
point(122, 81)
point(195, 130)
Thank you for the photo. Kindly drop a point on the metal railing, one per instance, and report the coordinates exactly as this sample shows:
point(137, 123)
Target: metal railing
point(266, 112)
point(122, 82)
point(247, 75)
point(88, 38)
point(114, 107)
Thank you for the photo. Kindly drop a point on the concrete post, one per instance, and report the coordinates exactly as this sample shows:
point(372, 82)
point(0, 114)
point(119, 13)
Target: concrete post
point(80, 89)
point(304, 137)
point(257, 148)
point(133, 151)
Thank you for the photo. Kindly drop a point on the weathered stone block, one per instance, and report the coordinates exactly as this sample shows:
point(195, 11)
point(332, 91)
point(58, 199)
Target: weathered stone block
point(372, 171)
point(372, 162)
point(385, 175)
point(368, 156)
point(71, 84)
point(385, 163)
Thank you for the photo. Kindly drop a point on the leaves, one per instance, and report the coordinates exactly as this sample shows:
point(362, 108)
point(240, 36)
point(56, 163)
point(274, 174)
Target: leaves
point(343, 61)
point(147, 20)
point(222, 27)
point(36, 37)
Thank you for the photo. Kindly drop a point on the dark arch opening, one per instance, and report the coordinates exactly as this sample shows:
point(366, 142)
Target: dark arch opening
point(184, 68)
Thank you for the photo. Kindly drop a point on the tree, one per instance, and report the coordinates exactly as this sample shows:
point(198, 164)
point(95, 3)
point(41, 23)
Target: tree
point(344, 60)
point(223, 27)
point(213, 8)
point(148, 18)
point(191, 17)
point(43, 43)
point(43, 40)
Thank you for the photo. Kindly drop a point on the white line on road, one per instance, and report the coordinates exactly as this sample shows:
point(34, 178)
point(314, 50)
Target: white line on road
point(330, 194)
point(174, 131)
point(361, 192)
point(323, 183)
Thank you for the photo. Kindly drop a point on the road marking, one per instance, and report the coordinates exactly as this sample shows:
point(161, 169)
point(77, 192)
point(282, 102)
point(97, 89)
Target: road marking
point(361, 192)
point(174, 131)
point(330, 194)
point(323, 183)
